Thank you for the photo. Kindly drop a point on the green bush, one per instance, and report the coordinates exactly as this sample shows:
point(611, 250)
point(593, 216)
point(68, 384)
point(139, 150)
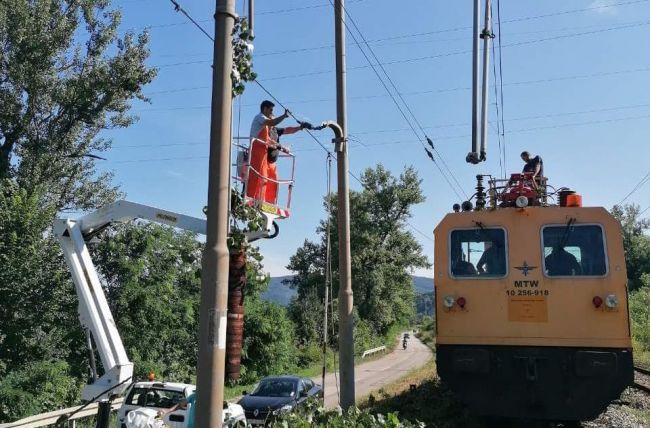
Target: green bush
point(640, 316)
point(364, 337)
point(39, 387)
point(315, 416)
point(269, 341)
point(309, 355)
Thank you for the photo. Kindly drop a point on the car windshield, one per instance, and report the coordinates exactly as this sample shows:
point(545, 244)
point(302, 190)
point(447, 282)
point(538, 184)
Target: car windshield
point(275, 388)
point(153, 397)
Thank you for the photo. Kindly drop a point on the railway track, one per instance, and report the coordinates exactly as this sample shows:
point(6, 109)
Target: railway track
point(643, 375)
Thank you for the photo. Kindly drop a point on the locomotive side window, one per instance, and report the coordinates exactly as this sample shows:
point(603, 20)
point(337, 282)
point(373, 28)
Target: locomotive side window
point(479, 252)
point(574, 250)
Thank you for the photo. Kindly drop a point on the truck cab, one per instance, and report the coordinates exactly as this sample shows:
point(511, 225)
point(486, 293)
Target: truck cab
point(163, 395)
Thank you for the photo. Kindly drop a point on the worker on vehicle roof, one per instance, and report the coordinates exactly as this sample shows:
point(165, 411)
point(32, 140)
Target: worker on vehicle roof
point(534, 165)
point(260, 134)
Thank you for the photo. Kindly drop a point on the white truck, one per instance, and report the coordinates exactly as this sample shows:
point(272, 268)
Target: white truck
point(94, 313)
point(163, 395)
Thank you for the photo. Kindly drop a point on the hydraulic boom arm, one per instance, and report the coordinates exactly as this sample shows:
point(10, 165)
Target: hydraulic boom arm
point(94, 313)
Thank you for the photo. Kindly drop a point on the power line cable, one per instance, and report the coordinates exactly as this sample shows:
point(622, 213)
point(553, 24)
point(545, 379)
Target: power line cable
point(502, 171)
point(447, 137)
point(388, 91)
point(430, 57)
point(429, 91)
point(415, 119)
point(638, 186)
point(425, 33)
point(178, 8)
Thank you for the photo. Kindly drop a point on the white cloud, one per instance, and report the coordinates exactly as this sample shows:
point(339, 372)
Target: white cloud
point(603, 7)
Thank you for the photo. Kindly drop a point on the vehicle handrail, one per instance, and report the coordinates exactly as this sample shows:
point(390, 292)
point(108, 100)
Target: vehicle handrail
point(270, 179)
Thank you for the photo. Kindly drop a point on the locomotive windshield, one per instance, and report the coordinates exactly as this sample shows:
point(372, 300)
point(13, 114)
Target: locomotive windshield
point(574, 250)
point(479, 252)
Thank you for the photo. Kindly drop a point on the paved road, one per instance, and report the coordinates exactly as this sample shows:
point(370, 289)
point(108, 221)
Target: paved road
point(373, 375)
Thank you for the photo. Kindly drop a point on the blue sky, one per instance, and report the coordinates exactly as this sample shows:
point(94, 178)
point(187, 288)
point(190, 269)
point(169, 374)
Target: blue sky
point(576, 91)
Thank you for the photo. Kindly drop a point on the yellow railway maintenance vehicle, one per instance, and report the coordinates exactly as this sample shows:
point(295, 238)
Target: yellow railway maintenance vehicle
point(531, 304)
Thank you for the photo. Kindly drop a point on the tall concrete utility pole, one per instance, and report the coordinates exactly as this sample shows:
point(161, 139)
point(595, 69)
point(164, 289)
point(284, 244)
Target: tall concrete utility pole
point(346, 327)
point(214, 276)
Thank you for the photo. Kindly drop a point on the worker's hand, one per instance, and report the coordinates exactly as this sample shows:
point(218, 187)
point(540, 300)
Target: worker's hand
point(160, 414)
point(287, 113)
point(305, 125)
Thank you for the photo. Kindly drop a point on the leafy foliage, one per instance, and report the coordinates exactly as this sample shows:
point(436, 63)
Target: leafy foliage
point(38, 319)
point(36, 388)
point(152, 275)
point(313, 415)
point(640, 314)
point(636, 243)
point(384, 254)
point(65, 75)
point(242, 56)
point(269, 341)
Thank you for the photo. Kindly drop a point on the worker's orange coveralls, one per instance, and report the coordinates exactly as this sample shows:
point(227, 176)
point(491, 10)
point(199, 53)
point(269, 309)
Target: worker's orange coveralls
point(256, 186)
point(271, 186)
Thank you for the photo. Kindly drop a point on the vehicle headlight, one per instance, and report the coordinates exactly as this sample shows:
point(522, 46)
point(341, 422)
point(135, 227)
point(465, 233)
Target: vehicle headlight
point(285, 408)
point(611, 301)
point(449, 301)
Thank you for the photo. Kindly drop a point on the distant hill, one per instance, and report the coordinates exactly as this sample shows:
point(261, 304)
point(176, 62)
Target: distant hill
point(422, 284)
point(282, 294)
point(278, 292)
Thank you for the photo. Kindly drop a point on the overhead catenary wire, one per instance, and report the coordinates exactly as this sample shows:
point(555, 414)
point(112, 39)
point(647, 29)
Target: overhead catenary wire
point(425, 33)
point(415, 119)
point(179, 8)
point(638, 186)
point(429, 57)
point(502, 171)
point(385, 143)
point(428, 91)
point(388, 91)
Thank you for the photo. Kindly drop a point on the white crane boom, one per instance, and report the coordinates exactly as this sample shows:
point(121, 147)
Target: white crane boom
point(94, 313)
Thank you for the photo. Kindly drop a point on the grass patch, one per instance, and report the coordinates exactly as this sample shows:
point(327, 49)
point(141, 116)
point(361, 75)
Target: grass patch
point(420, 396)
point(643, 414)
point(641, 356)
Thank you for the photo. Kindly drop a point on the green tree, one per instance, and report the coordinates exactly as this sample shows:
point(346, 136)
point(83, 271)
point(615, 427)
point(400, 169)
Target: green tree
point(636, 243)
point(38, 317)
point(152, 278)
point(384, 254)
point(65, 76)
point(269, 340)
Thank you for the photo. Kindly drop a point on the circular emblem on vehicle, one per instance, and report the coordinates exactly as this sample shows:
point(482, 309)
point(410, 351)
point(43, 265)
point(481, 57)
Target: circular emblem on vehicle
point(256, 412)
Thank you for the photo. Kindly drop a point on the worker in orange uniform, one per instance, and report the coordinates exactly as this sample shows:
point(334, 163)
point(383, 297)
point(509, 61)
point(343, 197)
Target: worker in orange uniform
point(272, 156)
point(260, 136)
